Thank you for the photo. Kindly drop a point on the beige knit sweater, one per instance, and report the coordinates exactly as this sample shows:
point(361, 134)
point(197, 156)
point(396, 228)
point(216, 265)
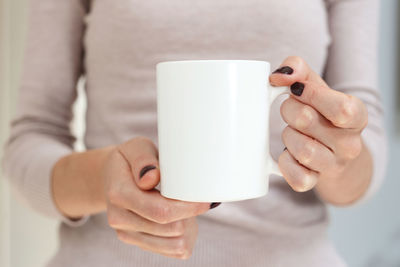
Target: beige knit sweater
point(116, 45)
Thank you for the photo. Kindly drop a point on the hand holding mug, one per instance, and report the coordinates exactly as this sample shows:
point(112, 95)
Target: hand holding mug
point(213, 130)
point(323, 135)
point(137, 211)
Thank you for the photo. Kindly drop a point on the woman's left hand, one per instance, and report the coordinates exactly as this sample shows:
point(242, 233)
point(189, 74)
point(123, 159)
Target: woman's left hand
point(323, 136)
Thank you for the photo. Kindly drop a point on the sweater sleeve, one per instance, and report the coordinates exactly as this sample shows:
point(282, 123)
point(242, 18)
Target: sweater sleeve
point(352, 68)
point(40, 133)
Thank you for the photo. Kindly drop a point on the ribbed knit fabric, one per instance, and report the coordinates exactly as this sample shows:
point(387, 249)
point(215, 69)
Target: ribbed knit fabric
point(116, 45)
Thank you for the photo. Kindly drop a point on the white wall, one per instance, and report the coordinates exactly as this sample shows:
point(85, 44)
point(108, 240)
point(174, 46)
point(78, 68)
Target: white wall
point(364, 234)
point(27, 239)
point(4, 193)
point(360, 233)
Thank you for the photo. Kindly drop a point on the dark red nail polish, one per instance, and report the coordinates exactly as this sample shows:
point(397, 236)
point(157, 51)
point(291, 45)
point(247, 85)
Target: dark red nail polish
point(284, 70)
point(145, 170)
point(214, 205)
point(297, 88)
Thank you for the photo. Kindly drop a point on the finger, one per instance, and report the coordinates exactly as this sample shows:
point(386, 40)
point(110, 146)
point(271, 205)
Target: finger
point(155, 207)
point(142, 156)
point(310, 122)
point(345, 143)
point(298, 177)
point(123, 192)
point(307, 151)
point(167, 246)
point(141, 152)
point(126, 220)
point(342, 110)
point(151, 204)
point(178, 247)
point(294, 69)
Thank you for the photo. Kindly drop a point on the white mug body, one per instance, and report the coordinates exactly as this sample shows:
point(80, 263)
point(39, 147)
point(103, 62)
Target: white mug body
point(213, 129)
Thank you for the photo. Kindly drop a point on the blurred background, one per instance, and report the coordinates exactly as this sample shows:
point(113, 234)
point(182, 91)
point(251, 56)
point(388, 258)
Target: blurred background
point(367, 235)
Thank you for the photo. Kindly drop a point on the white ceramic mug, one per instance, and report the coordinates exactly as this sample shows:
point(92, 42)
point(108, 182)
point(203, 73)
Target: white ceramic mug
point(213, 129)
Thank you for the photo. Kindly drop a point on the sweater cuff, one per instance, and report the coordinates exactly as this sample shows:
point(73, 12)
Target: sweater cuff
point(37, 184)
point(377, 146)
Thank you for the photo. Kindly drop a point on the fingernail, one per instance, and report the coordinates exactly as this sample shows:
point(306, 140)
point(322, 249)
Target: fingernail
point(284, 70)
point(145, 170)
point(214, 205)
point(297, 88)
point(285, 149)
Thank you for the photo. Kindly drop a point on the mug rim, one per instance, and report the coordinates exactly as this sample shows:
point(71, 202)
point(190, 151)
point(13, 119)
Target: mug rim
point(212, 61)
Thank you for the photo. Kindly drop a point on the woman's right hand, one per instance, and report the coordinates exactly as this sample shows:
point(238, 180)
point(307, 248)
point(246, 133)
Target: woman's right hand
point(140, 215)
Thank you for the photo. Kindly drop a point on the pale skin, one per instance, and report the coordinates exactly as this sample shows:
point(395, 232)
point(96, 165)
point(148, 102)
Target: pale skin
point(325, 152)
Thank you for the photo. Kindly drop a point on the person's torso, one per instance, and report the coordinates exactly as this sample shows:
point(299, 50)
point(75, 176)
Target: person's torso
point(123, 42)
point(125, 39)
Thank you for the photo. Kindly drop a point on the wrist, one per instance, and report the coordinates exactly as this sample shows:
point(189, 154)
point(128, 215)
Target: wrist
point(77, 183)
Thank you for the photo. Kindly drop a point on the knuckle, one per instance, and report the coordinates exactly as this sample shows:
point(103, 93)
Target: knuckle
point(354, 148)
point(305, 182)
point(162, 214)
point(308, 152)
point(347, 111)
point(285, 108)
point(305, 118)
point(182, 246)
point(185, 256)
point(141, 143)
point(177, 228)
point(296, 59)
point(350, 147)
point(286, 133)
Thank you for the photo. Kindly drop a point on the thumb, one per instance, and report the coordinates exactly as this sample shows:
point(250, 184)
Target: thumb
point(149, 177)
point(142, 156)
point(294, 69)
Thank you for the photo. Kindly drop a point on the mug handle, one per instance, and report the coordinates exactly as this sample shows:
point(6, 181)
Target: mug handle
point(274, 92)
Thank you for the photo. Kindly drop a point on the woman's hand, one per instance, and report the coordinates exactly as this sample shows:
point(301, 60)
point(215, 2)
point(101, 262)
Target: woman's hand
point(138, 213)
point(323, 136)
point(121, 180)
